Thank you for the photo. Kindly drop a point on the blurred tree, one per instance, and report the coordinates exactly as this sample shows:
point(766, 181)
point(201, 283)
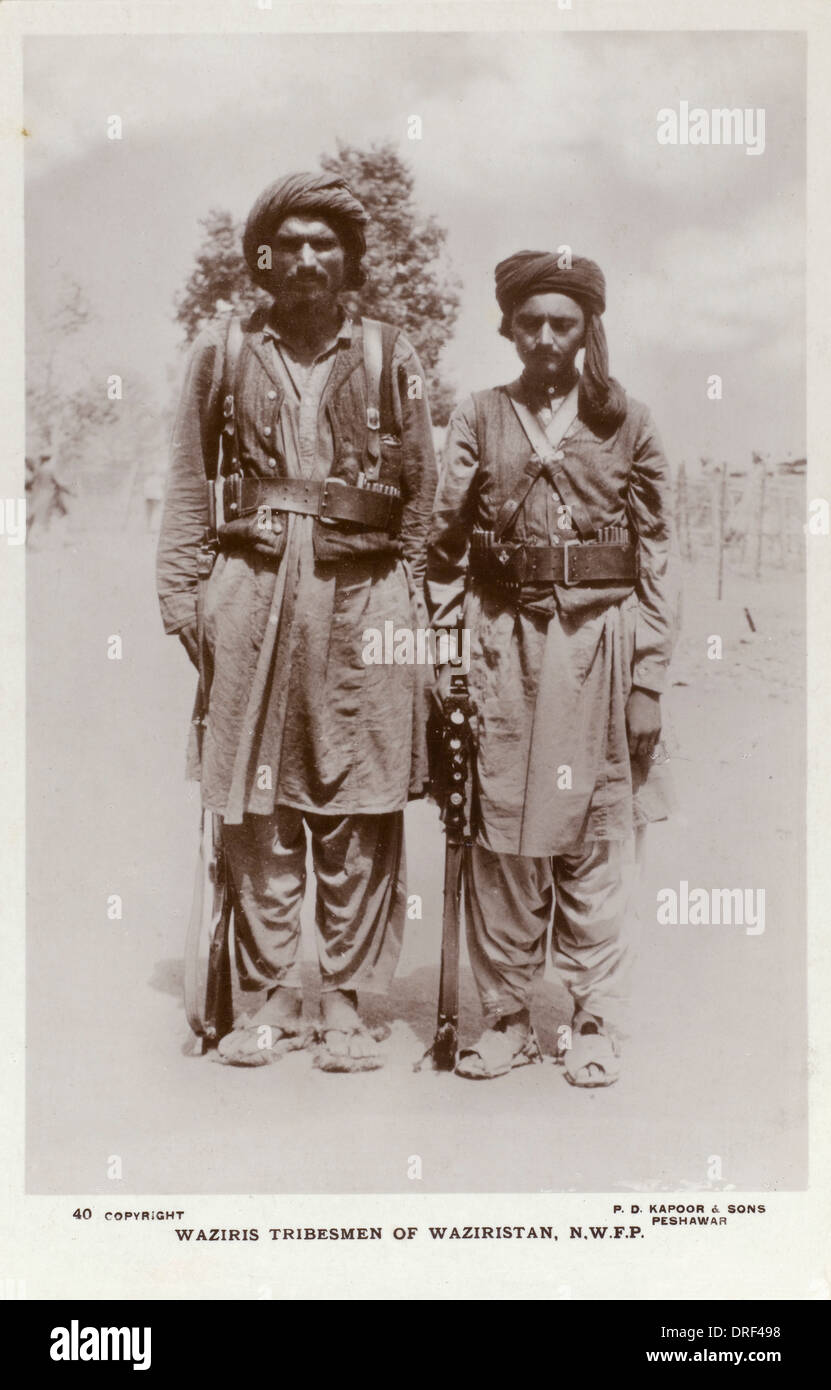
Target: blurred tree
point(409, 280)
point(89, 436)
point(63, 411)
point(219, 282)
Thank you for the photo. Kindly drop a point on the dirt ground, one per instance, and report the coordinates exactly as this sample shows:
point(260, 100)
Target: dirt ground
point(713, 1089)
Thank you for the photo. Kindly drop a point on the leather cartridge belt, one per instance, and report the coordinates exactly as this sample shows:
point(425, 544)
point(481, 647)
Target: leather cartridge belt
point(377, 505)
point(510, 565)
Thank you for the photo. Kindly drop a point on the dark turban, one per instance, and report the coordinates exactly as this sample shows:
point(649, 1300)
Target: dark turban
point(325, 195)
point(602, 399)
point(537, 272)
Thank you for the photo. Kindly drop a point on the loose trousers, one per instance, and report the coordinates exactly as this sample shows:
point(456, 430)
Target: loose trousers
point(361, 901)
point(509, 900)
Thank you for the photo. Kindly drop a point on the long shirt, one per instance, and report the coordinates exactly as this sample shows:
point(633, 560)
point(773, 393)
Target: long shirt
point(296, 715)
point(552, 668)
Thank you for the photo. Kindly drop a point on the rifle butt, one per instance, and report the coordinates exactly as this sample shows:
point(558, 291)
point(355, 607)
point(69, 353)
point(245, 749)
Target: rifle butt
point(209, 1007)
point(219, 994)
point(443, 1051)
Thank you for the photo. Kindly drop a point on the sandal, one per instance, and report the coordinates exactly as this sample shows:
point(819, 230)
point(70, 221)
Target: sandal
point(335, 1053)
point(251, 1044)
point(495, 1054)
point(594, 1056)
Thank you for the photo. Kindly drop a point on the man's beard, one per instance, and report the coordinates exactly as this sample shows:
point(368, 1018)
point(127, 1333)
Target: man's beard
point(305, 311)
point(544, 377)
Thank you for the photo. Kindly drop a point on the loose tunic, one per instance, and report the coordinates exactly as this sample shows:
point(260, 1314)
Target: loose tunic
point(551, 671)
point(296, 716)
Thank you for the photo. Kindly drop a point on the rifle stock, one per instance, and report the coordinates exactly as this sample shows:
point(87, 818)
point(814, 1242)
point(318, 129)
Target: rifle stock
point(209, 1008)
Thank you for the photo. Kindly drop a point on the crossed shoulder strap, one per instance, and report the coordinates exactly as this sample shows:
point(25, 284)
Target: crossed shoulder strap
point(547, 459)
point(541, 442)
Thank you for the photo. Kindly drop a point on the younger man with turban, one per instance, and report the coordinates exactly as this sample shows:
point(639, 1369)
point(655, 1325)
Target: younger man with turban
point(325, 523)
point(550, 541)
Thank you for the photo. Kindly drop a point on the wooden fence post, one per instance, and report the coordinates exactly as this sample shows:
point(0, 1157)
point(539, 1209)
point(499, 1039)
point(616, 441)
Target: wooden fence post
point(761, 519)
point(682, 514)
point(130, 488)
point(722, 511)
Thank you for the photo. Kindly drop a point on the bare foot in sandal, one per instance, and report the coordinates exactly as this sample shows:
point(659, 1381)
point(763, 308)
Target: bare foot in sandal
point(594, 1056)
point(265, 1036)
point(509, 1043)
point(346, 1044)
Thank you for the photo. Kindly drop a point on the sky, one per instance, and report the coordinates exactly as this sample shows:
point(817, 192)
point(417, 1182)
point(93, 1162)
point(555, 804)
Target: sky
point(528, 140)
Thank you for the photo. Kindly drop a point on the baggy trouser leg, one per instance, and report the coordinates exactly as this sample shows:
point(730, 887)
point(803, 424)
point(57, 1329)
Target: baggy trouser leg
point(596, 927)
point(508, 909)
point(267, 859)
point(361, 904)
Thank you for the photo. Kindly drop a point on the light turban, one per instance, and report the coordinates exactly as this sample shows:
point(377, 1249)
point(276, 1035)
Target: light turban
point(602, 399)
point(325, 194)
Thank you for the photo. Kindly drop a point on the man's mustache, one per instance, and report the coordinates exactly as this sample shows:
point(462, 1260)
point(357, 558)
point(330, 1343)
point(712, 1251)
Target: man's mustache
point(306, 277)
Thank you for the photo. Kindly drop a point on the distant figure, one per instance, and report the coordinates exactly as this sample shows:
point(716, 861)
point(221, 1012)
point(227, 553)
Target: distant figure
point(46, 494)
point(153, 495)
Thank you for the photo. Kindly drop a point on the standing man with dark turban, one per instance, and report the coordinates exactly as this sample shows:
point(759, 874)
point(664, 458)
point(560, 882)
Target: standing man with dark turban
point(325, 519)
point(550, 541)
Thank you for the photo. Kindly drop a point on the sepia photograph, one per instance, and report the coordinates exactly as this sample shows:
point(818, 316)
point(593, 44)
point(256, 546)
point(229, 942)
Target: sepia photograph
point(416, 528)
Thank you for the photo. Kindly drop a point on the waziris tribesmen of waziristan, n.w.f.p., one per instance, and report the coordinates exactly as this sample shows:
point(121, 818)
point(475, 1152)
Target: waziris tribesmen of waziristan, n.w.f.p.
point(549, 545)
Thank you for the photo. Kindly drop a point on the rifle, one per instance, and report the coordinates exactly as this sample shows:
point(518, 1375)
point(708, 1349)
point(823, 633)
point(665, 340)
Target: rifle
point(209, 1007)
point(209, 1004)
point(452, 788)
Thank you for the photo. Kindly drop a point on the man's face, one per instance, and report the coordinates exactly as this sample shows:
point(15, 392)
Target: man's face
point(308, 261)
point(548, 331)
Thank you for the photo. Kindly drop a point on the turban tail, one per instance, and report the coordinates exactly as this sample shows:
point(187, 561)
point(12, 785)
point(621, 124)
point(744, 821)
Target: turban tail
point(330, 197)
point(602, 400)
